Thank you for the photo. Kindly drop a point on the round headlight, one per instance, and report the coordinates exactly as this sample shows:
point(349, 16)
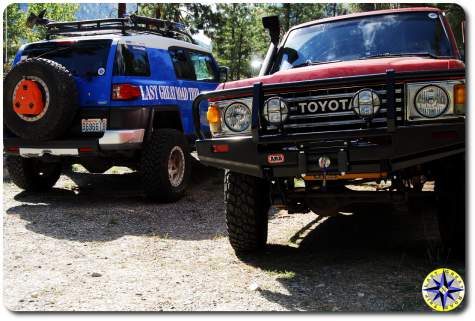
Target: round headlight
point(366, 103)
point(275, 110)
point(431, 101)
point(237, 117)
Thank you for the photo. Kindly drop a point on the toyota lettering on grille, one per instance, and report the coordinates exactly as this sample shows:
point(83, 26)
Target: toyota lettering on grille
point(324, 105)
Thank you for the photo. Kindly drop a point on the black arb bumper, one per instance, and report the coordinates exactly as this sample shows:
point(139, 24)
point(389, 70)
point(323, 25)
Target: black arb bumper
point(377, 150)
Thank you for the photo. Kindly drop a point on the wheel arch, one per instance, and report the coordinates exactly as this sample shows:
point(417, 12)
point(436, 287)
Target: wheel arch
point(165, 117)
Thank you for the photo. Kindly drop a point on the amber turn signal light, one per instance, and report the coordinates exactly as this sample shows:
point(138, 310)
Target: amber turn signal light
point(213, 114)
point(459, 98)
point(214, 119)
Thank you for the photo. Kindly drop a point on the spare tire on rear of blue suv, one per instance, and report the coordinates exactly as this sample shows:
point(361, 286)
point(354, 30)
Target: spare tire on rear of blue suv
point(40, 99)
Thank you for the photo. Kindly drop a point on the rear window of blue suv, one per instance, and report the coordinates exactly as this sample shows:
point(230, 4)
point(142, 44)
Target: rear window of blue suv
point(81, 58)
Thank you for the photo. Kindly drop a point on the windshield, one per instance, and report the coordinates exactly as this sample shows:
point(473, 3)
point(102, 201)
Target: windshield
point(81, 58)
point(419, 33)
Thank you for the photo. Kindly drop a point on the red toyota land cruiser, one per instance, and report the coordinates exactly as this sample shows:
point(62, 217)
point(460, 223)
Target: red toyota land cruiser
point(342, 101)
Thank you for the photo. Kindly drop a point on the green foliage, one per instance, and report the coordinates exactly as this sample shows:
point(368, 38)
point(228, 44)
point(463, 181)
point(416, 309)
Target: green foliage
point(238, 38)
point(14, 30)
point(196, 16)
point(54, 11)
point(17, 33)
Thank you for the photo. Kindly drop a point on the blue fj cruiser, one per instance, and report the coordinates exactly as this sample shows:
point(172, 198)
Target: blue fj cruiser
point(103, 93)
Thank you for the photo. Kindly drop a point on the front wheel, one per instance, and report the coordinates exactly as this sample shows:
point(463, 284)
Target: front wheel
point(33, 174)
point(247, 204)
point(165, 166)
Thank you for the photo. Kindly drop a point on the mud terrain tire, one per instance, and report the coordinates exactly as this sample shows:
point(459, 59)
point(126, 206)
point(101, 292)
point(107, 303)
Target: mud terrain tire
point(247, 204)
point(61, 95)
point(32, 174)
point(156, 180)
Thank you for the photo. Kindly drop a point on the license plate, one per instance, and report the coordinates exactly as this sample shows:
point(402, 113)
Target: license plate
point(93, 125)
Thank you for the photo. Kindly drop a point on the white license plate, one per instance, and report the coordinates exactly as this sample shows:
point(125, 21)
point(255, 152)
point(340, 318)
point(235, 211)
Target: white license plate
point(94, 125)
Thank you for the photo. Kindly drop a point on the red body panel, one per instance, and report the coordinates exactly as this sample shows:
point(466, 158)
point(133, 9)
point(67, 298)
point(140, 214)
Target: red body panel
point(350, 68)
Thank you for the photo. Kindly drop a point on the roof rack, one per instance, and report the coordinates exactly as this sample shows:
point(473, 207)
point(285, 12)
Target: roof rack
point(127, 25)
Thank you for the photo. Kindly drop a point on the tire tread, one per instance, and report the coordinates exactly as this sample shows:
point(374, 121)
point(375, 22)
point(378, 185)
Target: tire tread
point(246, 204)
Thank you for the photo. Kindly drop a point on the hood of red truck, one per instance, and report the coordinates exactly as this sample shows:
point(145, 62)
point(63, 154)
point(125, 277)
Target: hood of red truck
point(349, 68)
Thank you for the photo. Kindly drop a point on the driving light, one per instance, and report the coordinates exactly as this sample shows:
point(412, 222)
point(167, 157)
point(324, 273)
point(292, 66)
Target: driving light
point(275, 110)
point(366, 103)
point(431, 101)
point(237, 117)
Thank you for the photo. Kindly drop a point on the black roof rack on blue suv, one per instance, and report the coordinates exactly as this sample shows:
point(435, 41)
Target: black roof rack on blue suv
point(132, 23)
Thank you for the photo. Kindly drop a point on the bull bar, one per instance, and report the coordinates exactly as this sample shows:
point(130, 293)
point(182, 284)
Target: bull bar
point(398, 147)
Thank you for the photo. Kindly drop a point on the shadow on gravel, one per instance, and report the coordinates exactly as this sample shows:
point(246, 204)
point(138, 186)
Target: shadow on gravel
point(107, 207)
point(374, 260)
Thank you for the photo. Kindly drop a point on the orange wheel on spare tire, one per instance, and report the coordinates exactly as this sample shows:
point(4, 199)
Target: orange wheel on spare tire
point(40, 99)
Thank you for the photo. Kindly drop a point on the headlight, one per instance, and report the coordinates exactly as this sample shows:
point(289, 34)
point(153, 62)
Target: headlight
point(237, 117)
point(431, 101)
point(366, 103)
point(275, 110)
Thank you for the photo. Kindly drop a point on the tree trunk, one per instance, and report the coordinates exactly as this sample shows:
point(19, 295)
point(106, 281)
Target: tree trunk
point(286, 10)
point(158, 10)
point(239, 53)
point(233, 42)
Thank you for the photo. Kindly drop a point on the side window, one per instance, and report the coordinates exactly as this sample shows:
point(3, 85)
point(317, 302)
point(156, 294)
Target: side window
point(131, 60)
point(204, 66)
point(183, 67)
point(193, 65)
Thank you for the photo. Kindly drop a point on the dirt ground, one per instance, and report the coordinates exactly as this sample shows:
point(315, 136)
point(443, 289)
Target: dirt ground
point(94, 243)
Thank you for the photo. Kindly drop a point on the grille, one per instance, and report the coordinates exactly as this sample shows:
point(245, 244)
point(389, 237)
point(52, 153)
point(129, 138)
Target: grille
point(306, 122)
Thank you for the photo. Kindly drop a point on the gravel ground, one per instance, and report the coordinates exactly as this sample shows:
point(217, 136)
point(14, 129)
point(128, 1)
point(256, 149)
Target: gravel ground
point(95, 244)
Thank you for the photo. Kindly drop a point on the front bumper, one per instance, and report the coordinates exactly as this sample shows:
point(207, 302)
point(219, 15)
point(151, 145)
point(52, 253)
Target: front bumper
point(112, 140)
point(355, 151)
point(375, 152)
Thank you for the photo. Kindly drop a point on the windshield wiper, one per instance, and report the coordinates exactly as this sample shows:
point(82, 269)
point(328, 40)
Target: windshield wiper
point(388, 55)
point(54, 50)
point(313, 63)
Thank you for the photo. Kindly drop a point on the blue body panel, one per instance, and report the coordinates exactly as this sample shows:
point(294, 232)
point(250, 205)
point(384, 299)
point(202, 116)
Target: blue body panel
point(161, 88)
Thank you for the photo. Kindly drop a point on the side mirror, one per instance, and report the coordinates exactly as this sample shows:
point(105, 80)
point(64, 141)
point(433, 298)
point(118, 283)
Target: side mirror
point(223, 73)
